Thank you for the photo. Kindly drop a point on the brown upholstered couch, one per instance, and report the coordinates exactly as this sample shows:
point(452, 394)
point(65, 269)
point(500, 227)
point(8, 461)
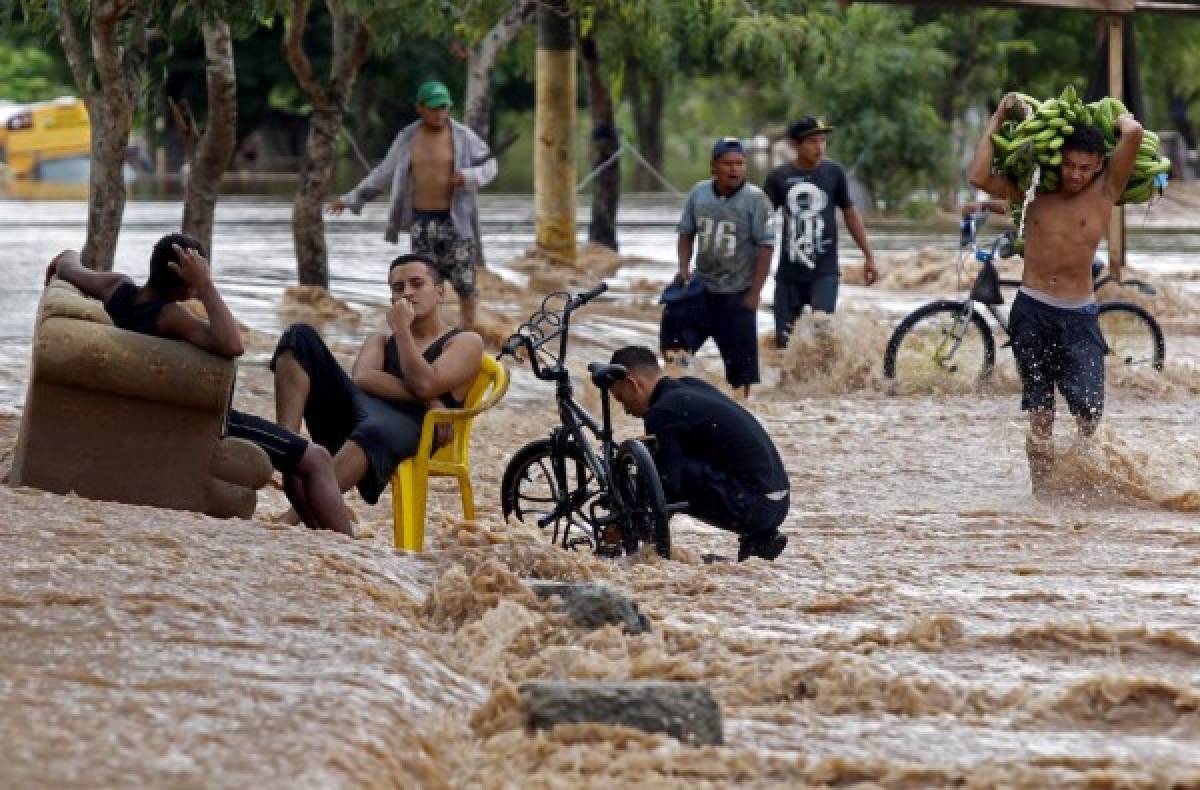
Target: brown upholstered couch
point(116, 415)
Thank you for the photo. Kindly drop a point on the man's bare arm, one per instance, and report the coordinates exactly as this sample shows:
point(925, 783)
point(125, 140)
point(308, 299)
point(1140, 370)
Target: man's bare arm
point(854, 224)
point(370, 377)
point(980, 172)
point(762, 267)
point(1124, 156)
point(98, 285)
point(220, 333)
point(683, 249)
point(457, 365)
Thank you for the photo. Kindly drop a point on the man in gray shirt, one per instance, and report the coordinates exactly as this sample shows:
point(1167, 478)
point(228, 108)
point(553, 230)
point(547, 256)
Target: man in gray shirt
point(725, 223)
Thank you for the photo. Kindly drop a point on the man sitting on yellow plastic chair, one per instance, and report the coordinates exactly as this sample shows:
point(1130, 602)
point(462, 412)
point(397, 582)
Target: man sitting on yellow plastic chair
point(371, 419)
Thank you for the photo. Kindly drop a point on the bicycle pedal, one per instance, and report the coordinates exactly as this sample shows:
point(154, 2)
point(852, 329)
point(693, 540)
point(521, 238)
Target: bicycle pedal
point(581, 541)
point(608, 551)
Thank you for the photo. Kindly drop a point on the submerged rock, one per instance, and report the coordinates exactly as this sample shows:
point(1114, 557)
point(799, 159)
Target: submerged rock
point(685, 711)
point(594, 605)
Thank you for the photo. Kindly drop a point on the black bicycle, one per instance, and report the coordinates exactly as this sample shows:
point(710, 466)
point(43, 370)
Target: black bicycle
point(611, 499)
point(948, 339)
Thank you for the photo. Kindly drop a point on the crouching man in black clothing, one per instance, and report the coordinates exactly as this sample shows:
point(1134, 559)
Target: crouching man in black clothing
point(710, 452)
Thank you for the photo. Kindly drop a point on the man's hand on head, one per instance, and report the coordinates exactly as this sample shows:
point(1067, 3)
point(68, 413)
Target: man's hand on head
point(191, 266)
point(1126, 121)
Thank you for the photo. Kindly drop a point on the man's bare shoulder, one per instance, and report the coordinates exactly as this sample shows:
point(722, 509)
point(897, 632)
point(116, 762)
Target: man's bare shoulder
point(466, 337)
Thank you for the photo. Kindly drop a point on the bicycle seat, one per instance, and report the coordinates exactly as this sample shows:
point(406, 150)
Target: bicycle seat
point(604, 376)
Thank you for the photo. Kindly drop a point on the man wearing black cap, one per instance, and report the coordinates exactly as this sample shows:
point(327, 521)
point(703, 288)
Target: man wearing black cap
point(726, 224)
point(808, 190)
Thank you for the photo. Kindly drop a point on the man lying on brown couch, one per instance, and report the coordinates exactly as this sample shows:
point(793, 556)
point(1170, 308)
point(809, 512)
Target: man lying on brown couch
point(179, 271)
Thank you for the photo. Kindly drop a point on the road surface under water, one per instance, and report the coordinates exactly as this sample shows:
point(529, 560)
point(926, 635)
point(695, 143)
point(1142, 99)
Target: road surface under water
point(930, 623)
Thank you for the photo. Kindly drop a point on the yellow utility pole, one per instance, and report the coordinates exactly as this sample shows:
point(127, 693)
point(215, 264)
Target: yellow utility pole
point(554, 132)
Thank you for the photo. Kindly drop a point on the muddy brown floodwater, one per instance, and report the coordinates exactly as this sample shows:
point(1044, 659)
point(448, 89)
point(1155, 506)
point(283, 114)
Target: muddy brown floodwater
point(930, 624)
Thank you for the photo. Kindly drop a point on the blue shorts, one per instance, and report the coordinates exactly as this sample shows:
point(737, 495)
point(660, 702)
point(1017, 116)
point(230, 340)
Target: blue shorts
point(819, 293)
point(1061, 347)
point(687, 324)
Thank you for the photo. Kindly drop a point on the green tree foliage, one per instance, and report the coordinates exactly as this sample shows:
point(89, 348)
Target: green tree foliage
point(29, 73)
point(875, 80)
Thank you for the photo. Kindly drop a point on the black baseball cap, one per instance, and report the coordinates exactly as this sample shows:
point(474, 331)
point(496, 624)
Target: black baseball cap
point(726, 144)
point(807, 125)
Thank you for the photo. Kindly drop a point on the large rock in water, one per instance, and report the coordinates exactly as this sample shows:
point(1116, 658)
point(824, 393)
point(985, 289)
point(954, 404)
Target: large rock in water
point(594, 605)
point(686, 711)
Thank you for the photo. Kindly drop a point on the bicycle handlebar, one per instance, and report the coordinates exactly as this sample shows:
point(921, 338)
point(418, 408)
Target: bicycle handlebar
point(532, 335)
point(581, 299)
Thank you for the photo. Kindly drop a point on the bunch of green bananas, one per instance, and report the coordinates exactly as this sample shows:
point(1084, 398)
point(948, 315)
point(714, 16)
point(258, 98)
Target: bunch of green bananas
point(1035, 139)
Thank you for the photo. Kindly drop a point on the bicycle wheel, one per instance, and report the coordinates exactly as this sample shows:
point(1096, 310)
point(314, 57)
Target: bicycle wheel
point(936, 345)
point(530, 490)
point(1134, 338)
point(640, 490)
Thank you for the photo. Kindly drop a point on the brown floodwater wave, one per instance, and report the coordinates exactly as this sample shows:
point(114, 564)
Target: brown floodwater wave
point(962, 634)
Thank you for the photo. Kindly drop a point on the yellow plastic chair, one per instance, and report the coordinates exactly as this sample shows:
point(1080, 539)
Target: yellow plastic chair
point(411, 479)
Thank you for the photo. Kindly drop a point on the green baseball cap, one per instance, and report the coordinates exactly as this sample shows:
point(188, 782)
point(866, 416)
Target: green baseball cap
point(433, 95)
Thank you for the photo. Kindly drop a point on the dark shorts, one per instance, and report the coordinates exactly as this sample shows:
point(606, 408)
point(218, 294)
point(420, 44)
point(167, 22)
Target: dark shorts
point(284, 448)
point(689, 323)
point(718, 499)
point(791, 298)
point(337, 410)
point(1059, 347)
point(433, 233)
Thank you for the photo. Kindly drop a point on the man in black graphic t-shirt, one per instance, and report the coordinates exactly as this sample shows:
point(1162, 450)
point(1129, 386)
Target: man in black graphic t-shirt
point(808, 190)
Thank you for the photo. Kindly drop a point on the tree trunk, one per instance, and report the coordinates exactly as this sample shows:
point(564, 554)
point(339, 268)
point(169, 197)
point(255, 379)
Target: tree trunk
point(316, 172)
point(350, 39)
point(606, 186)
point(109, 102)
point(481, 60)
point(215, 147)
point(647, 94)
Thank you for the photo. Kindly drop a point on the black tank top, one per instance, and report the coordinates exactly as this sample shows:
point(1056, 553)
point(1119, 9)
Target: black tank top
point(391, 361)
point(127, 314)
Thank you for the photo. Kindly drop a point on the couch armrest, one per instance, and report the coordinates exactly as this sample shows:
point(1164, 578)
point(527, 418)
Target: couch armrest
point(92, 356)
point(240, 462)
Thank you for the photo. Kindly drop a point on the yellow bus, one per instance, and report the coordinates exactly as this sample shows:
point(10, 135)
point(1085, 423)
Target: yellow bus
point(47, 141)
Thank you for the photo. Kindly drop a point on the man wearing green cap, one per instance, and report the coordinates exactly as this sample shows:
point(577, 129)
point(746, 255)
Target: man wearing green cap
point(434, 170)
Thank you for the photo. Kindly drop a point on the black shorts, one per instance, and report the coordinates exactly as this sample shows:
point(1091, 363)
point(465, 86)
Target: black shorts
point(1060, 347)
point(337, 410)
point(689, 323)
point(819, 293)
point(284, 448)
point(716, 498)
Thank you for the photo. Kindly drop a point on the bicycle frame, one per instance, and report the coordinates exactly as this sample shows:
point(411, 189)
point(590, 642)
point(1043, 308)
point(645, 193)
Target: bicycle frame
point(574, 419)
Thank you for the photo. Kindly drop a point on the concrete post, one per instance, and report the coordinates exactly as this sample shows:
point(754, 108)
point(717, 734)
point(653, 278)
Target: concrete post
point(1116, 73)
point(554, 131)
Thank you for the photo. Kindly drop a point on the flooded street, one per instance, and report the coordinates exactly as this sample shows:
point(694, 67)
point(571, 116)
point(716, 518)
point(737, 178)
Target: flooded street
point(929, 625)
